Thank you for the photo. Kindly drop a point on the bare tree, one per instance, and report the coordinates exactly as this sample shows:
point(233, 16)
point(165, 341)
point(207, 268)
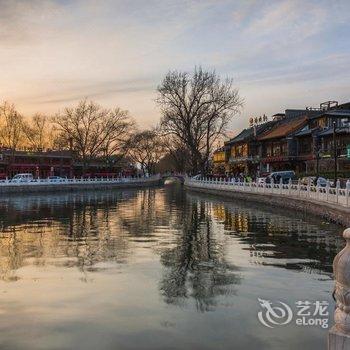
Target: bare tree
point(177, 153)
point(146, 149)
point(92, 130)
point(11, 126)
point(196, 110)
point(38, 132)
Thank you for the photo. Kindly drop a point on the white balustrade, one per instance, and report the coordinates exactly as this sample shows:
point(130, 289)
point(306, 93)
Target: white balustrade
point(327, 194)
point(77, 181)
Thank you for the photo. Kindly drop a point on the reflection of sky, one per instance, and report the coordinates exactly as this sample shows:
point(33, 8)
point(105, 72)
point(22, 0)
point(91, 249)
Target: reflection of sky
point(56, 52)
point(96, 270)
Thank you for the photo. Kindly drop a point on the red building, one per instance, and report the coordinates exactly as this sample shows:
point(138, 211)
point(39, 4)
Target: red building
point(40, 164)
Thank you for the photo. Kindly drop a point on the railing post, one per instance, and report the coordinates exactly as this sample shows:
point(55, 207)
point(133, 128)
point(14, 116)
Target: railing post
point(339, 335)
point(337, 189)
point(289, 186)
point(308, 187)
point(347, 192)
point(327, 190)
point(272, 183)
point(318, 188)
point(281, 185)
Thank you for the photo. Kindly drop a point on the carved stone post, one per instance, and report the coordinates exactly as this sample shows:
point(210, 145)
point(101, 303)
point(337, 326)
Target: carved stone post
point(339, 335)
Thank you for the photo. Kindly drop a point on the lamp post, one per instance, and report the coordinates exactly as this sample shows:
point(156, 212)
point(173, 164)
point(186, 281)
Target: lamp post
point(335, 153)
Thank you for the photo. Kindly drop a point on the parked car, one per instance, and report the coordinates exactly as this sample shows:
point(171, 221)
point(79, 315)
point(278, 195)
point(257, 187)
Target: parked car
point(25, 177)
point(322, 182)
point(314, 180)
point(55, 178)
point(278, 175)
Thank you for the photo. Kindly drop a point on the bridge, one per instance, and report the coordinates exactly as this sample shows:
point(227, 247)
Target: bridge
point(173, 176)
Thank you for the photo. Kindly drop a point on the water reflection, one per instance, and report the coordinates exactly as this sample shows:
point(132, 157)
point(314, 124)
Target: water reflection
point(82, 229)
point(277, 237)
point(196, 265)
point(69, 230)
point(191, 266)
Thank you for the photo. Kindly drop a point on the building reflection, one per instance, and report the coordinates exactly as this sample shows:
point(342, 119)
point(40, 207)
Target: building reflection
point(278, 238)
point(78, 229)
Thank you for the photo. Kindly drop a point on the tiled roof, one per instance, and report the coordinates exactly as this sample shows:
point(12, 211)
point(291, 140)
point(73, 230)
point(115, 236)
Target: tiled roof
point(246, 134)
point(341, 113)
point(55, 154)
point(284, 128)
point(304, 132)
point(329, 131)
point(243, 135)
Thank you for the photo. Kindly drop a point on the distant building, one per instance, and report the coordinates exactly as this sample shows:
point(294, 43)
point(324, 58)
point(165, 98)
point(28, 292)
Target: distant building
point(220, 160)
point(316, 144)
point(60, 163)
point(299, 139)
point(244, 156)
point(40, 164)
point(278, 146)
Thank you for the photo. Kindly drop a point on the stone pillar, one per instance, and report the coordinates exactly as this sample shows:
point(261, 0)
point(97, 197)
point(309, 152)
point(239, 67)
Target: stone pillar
point(339, 335)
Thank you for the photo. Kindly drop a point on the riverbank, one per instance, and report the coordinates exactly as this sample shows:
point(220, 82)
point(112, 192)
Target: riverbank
point(77, 185)
point(329, 211)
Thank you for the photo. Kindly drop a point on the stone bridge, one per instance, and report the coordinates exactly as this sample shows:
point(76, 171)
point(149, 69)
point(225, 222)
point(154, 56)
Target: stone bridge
point(174, 176)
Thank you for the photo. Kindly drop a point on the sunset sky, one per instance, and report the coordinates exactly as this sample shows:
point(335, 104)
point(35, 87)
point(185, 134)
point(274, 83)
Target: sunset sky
point(281, 54)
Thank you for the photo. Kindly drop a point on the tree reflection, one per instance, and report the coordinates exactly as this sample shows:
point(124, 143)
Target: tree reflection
point(78, 229)
point(196, 266)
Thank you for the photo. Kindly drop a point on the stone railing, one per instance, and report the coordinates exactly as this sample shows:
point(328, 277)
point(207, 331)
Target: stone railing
point(77, 181)
point(339, 335)
point(326, 194)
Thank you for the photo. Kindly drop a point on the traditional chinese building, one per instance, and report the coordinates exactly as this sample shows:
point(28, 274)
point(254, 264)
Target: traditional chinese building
point(278, 146)
point(220, 160)
point(244, 149)
point(40, 164)
point(60, 163)
point(316, 141)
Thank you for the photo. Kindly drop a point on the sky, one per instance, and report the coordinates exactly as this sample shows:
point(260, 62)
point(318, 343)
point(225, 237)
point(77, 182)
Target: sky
point(281, 54)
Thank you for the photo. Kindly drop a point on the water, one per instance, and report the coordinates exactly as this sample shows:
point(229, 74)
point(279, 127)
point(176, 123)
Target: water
point(157, 269)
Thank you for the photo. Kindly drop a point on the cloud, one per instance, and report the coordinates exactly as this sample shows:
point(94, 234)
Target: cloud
point(57, 52)
point(68, 91)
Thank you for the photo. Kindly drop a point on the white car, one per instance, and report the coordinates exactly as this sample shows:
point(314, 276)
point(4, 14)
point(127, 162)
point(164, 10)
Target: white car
point(55, 179)
point(25, 177)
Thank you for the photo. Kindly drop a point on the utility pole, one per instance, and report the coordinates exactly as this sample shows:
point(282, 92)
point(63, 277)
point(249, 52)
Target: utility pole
point(335, 153)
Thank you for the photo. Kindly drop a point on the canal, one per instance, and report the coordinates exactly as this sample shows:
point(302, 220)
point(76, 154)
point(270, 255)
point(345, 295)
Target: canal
point(159, 268)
